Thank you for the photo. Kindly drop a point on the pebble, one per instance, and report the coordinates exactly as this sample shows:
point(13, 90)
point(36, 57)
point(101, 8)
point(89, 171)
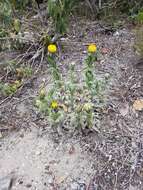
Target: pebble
point(28, 185)
point(116, 33)
point(50, 179)
point(38, 153)
point(78, 186)
point(74, 186)
point(6, 183)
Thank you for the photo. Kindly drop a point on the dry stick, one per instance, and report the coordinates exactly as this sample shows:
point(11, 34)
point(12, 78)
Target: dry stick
point(115, 184)
point(42, 58)
point(133, 171)
point(37, 54)
point(100, 4)
point(5, 100)
point(24, 54)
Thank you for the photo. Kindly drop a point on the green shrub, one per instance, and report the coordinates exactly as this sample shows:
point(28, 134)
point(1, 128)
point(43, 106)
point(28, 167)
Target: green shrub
point(5, 12)
point(19, 4)
point(60, 11)
point(67, 101)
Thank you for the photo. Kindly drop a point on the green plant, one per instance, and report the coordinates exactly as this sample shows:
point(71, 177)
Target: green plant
point(8, 89)
point(23, 72)
point(5, 12)
point(70, 102)
point(3, 35)
point(91, 58)
point(139, 17)
point(94, 85)
point(70, 85)
point(51, 58)
point(60, 11)
point(19, 4)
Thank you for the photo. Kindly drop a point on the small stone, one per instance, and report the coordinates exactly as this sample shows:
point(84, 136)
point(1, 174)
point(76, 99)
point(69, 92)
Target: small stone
point(21, 135)
point(116, 33)
point(61, 179)
point(50, 179)
point(63, 39)
point(38, 153)
point(124, 110)
point(72, 150)
point(105, 50)
point(28, 185)
point(20, 182)
point(78, 186)
point(74, 186)
point(82, 186)
point(6, 183)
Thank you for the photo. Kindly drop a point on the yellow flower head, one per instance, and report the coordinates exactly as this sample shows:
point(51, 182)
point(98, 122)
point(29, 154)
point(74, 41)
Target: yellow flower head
point(52, 48)
point(92, 48)
point(54, 104)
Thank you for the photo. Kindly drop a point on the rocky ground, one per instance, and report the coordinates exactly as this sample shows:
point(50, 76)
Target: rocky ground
point(109, 157)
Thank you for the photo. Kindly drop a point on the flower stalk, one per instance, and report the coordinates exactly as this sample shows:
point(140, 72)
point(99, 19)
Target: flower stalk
point(89, 67)
point(52, 49)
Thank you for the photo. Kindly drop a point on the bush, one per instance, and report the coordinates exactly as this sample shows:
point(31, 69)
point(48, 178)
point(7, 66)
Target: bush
point(60, 11)
point(67, 101)
point(5, 12)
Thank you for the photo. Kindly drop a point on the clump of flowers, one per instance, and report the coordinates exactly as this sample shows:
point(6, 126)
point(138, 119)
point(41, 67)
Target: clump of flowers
point(68, 101)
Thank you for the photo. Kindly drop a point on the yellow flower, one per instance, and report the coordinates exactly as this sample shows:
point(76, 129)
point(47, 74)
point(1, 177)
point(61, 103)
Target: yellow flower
point(92, 48)
point(54, 104)
point(52, 48)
